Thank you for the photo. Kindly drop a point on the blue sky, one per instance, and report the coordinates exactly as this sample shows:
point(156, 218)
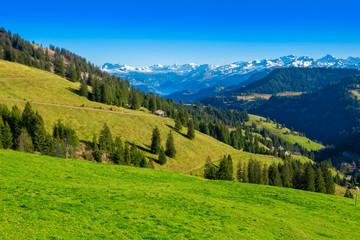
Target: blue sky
point(141, 33)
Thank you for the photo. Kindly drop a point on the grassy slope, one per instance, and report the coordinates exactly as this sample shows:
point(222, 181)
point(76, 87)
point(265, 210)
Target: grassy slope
point(302, 141)
point(55, 99)
point(47, 198)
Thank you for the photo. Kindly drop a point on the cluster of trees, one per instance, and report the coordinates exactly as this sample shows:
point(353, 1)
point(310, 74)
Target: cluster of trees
point(224, 171)
point(107, 148)
point(156, 147)
point(25, 131)
point(291, 174)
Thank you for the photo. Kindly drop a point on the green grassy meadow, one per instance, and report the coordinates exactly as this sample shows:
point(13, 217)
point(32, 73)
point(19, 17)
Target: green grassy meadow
point(302, 141)
point(49, 198)
point(54, 98)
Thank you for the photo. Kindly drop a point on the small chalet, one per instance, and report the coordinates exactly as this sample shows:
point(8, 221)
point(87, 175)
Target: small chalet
point(160, 113)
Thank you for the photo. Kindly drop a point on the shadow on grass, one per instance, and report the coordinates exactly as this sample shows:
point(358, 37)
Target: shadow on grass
point(76, 91)
point(177, 131)
point(147, 149)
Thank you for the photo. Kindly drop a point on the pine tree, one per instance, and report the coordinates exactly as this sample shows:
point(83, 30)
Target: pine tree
point(15, 123)
point(210, 169)
point(274, 176)
point(309, 178)
point(135, 155)
point(178, 124)
point(59, 67)
point(298, 181)
point(329, 181)
point(337, 179)
point(143, 163)
point(258, 173)
point(319, 181)
point(225, 171)
point(265, 175)
point(96, 153)
point(118, 153)
point(24, 142)
point(71, 73)
point(127, 157)
point(245, 174)
point(239, 172)
point(106, 94)
point(191, 130)
point(6, 135)
point(152, 104)
point(251, 171)
point(286, 175)
point(170, 148)
point(135, 101)
point(155, 141)
point(83, 89)
point(162, 157)
point(105, 140)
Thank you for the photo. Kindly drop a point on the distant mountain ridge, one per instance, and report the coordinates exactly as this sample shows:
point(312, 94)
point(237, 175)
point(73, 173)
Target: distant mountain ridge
point(193, 77)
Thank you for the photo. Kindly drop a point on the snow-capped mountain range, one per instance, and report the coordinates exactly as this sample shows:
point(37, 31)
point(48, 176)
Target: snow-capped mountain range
point(193, 77)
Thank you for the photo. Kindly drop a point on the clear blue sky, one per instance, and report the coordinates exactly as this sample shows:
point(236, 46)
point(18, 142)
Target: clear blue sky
point(140, 33)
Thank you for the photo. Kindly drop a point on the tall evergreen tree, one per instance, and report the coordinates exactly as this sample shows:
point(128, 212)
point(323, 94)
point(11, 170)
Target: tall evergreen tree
point(152, 104)
point(191, 130)
point(309, 178)
point(246, 173)
point(258, 173)
point(337, 179)
point(225, 171)
point(105, 140)
point(210, 169)
point(329, 181)
point(96, 153)
point(178, 124)
point(59, 67)
point(6, 135)
point(24, 142)
point(118, 153)
point(155, 141)
point(265, 175)
point(274, 176)
point(127, 157)
point(83, 89)
point(239, 172)
point(170, 147)
point(15, 123)
point(286, 175)
point(251, 171)
point(162, 157)
point(319, 181)
point(70, 73)
point(135, 101)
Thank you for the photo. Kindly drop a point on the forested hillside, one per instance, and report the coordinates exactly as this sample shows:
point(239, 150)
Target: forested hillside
point(282, 81)
point(331, 114)
point(296, 80)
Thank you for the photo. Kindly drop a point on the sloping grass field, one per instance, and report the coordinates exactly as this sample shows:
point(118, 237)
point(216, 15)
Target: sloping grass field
point(44, 197)
point(284, 133)
point(55, 98)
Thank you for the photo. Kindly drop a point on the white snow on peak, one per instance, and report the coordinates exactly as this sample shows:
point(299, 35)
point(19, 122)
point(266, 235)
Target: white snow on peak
point(194, 76)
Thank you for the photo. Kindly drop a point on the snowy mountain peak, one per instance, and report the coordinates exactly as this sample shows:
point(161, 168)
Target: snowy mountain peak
point(167, 79)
